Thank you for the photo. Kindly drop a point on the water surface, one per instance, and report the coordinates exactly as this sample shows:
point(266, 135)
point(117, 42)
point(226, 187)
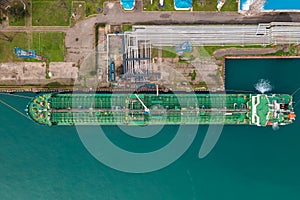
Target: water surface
point(248, 162)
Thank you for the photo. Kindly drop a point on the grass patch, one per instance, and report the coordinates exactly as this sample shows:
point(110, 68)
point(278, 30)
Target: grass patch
point(169, 52)
point(53, 84)
point(94, 7)
point(58, 12)
point(186, 57)
point(202, 52)
point(168, 5)
point(278, 53)
point(189, 55)
point(154, 52)
point(205, 5)
point(230, 5)
point(126, 27)
point(51, 13)
point(49, 45)
point(292, 51)
point(16, 21)
point(8, 41)
point(78, 11)
point(16, 13)
point(211, 49)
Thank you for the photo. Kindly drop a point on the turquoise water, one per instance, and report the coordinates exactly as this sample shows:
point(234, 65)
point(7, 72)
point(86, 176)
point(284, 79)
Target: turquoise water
point(183, 4)
point(273, 4)
point(128, 4)
point(248, 162)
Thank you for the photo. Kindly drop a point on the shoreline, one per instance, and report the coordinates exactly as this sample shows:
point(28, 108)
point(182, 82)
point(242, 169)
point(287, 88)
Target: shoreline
point(37, 89)
point(260, 57)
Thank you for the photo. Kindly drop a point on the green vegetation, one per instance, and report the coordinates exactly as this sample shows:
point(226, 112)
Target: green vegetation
point(78, 11)
point(49, 45)
point(211, 49)
point(202, 52)
point(293, 50)
point(8, 41)
point(202, 84)
point(94, 7)
point(168, 5)
point(205, 5)
point(230, 5)
point(169, 52)
point(16, 14)
point(193, 75)
point(51, 13)
point(154, 52)
point(58, 12)
point(47, 75)
point(16, 21)
point(53, 84)
point(281, 53)
point(126, 27)
point(188, 54)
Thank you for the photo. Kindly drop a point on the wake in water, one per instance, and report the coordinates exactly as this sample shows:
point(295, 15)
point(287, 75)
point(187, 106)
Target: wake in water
point(263, 86)
point(275, 127)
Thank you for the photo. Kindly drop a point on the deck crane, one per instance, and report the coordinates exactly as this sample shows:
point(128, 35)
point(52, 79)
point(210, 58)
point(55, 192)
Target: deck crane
point(147, 111)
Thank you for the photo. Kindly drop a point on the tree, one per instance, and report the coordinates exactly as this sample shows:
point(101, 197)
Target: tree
point(17, 11)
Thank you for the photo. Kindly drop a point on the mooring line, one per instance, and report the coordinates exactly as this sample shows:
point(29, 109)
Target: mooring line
point(11, 107)
point(296, 91)
point(16, 95)
point(296, 103)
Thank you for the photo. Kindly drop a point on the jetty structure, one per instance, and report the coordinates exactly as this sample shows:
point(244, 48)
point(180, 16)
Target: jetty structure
point(156, 109)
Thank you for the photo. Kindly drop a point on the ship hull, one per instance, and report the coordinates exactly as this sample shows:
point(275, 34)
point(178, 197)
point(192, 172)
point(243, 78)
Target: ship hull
point(162, 109)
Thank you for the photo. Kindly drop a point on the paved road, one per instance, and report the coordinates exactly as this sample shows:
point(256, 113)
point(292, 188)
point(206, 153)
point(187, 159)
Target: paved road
point(113, 14)
point(80, 39)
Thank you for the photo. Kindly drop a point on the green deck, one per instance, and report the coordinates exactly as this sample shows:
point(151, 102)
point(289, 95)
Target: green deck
point(127, 109)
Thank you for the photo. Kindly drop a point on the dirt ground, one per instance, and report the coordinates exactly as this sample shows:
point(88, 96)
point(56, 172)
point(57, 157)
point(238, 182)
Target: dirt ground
point(34, 73)
point(63, 70)
point(22, 72)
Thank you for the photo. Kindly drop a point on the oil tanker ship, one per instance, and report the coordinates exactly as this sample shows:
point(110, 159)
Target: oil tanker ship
point(154, 109)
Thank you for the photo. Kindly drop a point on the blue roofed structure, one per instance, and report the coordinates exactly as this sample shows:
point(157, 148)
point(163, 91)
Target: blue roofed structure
point(183, 4)
point(25, 53)
point(127, 4)
point(184, 47)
